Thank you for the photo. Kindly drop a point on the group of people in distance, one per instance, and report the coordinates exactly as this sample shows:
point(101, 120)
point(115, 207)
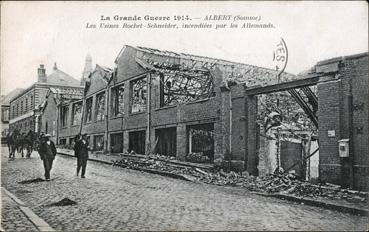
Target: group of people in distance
point(47, 151)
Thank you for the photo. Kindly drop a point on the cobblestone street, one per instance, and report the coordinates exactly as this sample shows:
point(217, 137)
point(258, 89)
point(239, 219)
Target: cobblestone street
point(12, 217)
point(112, 198)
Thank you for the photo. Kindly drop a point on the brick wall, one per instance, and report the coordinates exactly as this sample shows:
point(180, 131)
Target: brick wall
point(127, 65)
point(347, 118)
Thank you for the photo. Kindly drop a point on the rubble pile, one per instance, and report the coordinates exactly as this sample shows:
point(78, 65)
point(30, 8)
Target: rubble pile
point(155, 163)
point(197, 157)
point(274, 183)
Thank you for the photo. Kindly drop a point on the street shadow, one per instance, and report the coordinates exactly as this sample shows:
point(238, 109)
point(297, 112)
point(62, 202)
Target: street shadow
point(37, 180)
point(64, 202)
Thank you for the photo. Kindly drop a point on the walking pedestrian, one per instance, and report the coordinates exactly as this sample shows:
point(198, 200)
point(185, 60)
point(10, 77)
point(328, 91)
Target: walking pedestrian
point(47, 153)
point(77, 139)
point(82, 155)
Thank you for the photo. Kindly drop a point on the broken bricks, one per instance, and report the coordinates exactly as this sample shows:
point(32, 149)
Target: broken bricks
point(273, 183)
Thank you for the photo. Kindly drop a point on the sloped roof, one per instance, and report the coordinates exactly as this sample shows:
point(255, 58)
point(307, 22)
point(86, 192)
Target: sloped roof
point(59, 77)
point(67, 91)
point(105, 72)
point(5, 100)
point(234, 71)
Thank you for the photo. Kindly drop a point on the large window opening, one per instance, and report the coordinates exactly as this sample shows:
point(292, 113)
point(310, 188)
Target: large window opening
point(46, 127)
point(178, 88)
point(117, 100)
point(139, 95)
point(137, 141)
point(77, 113)
point(98, 142)
point(201, 141)
point(64, 116)
point(88, 115)
point(31, 103)
point(100, 107)
point(62, 141)
point(167, 141)
point(116, 143)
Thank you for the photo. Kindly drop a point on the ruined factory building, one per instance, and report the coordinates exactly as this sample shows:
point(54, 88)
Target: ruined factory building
point(163, 102)
point(201, 109)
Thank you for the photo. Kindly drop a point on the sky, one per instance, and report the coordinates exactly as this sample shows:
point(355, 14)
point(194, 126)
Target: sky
point(34, 33)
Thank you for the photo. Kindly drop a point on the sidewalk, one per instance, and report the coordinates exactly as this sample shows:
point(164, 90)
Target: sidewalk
point(114, 157)
point(16, 216)
point(337, 205)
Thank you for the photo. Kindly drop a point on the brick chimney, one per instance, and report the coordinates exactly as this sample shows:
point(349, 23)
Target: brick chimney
point(41, 74)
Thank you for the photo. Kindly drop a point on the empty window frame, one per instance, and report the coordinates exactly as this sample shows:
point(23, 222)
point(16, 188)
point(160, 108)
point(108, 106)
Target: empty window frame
point(5, 115)
point(117, 97)
point(100, 106)
point(99, 142)
point(13, 112)
point(77, 113)
point(64, 116)
point(181, 88)
point(201, 140)
point(46, 127)
point(31, 101)
point(116, 143)
point(139, 95)
point(88, 115)
point(62, 141)
point(167, 141)
point(137, 141)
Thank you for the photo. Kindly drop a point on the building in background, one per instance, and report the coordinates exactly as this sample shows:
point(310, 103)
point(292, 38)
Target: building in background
point(5, 112)
point(25, 106)
point(53, 112)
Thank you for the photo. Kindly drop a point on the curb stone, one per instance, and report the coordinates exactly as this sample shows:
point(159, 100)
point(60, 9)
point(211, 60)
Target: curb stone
point(162, 173)
point(38, 222)
point(317, 203)
point(311, 202)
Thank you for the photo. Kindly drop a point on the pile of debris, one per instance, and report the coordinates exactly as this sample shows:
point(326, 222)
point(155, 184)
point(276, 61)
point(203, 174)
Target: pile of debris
point(273, 183)
point(197, 157)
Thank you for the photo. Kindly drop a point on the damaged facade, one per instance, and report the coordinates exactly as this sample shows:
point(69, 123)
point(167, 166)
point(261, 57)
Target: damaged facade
point(199, 108)
point(168, 103)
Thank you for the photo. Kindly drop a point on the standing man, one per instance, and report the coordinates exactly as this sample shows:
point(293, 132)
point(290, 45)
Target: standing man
point(82, 155)
point(77, 139)
point(47, 153)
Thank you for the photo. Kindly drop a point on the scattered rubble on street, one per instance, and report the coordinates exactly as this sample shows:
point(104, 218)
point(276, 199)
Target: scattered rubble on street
point(287, 183)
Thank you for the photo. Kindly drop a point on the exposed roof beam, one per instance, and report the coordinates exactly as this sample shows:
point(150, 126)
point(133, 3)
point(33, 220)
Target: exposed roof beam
point(310, 80)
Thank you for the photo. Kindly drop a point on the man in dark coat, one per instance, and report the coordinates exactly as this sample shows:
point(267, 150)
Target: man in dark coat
point(82, 155)
point(47, 153)
point(77, 139)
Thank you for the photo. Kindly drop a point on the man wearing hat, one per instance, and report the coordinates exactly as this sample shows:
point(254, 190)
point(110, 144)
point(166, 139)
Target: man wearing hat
point(82, 155)
point(47, 153)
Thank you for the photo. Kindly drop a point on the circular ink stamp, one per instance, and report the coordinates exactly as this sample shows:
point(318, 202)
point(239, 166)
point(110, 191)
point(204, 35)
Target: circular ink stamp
point(280, 57)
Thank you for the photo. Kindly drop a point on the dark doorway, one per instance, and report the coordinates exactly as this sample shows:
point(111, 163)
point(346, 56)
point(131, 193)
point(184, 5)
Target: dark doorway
point(291, 153)
point(137, 140)
point(167, 141)
point(116, 143)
